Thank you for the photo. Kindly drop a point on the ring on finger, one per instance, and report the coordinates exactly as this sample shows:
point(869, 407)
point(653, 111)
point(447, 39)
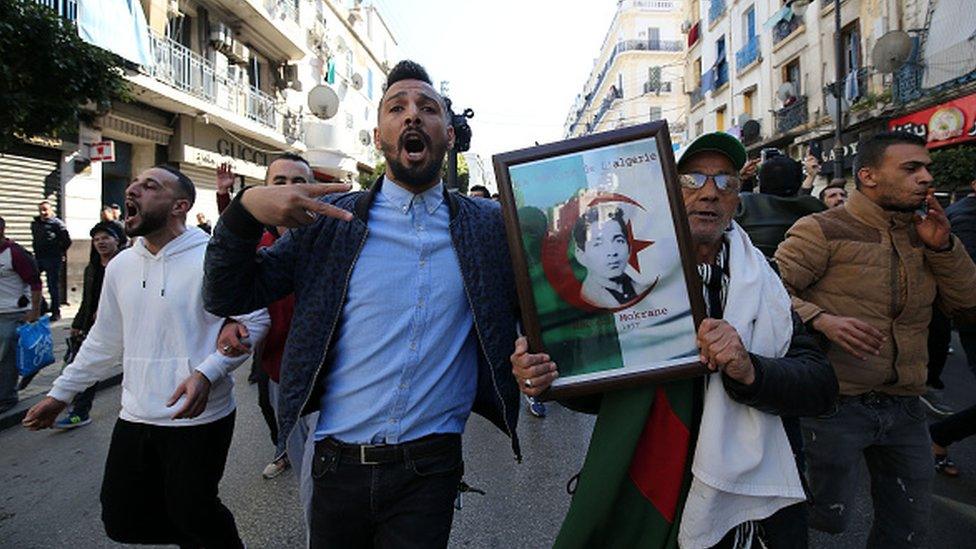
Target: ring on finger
point(225, 348)
point(528, 383)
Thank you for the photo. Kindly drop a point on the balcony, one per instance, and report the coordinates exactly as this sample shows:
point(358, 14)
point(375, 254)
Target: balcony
point(862, 87)
point(657, 87)
point(785, 28)
point(715, 11)
point(749, 53)
point(181, 68)
point(720, 75)
point(66, 9)
point(269, 25)
point(604, 108)
point(791, 116)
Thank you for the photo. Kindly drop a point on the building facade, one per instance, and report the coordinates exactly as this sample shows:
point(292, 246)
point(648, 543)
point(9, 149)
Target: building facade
point(211, 82)
point(637, 75)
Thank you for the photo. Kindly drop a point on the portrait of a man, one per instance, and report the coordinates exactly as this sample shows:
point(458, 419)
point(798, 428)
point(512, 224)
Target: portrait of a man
point(602, 248)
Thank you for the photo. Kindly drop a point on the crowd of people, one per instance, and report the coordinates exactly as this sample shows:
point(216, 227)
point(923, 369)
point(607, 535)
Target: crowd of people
point(378, 320)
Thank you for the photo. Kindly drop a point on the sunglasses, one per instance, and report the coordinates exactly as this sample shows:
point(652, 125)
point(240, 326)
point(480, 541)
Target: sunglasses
point(724, 182)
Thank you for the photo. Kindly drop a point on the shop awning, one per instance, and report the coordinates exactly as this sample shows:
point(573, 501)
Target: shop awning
point(118, 26)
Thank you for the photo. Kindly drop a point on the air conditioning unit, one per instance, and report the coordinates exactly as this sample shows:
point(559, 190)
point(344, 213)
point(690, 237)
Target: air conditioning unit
point(289, 73)
point(173, 8)
point(316, 32)
point(240, 53)
point(221, 36)
point(686, 26)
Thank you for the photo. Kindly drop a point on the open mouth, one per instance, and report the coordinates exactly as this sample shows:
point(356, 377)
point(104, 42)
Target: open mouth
point(131, 211)
point(705, 215)
point(415, 145)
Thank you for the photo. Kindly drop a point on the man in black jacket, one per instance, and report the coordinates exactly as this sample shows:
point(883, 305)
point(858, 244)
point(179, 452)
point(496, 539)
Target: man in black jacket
point(51, 242)
point(962, 219)
point(798, 382)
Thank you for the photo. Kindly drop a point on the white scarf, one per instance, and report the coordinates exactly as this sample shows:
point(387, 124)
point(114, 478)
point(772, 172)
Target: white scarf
point(743, 467)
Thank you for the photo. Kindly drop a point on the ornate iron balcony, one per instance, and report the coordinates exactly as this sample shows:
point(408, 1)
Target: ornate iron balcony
point(792, 116)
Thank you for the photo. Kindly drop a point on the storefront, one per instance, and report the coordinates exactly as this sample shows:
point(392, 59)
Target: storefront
point(198, 149)
point(949, 130)
point(29, 173)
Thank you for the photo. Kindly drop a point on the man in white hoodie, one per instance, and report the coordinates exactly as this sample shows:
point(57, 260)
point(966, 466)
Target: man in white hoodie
point(170, 443)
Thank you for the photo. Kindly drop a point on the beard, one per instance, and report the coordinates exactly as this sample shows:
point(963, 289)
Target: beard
point(417, 175)
point(149, 223)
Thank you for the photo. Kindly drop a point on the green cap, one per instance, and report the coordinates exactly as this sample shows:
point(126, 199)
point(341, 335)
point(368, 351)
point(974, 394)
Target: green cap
point(719, 142)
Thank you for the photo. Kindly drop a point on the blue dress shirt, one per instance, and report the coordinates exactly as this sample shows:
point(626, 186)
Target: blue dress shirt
point(404, 364)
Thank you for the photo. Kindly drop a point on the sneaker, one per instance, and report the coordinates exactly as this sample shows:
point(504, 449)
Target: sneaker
point(55, 317)
point(537, 409)
point(71, 421)
point(935, 402)
point(276, 467)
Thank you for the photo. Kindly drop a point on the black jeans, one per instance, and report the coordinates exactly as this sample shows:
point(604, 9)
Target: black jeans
point(891, 435)
point(407, 503)
point(51, 267)
point(954, 428)
point(264, 403)
point(82, 404)
point(160, 485)
point(940, 336)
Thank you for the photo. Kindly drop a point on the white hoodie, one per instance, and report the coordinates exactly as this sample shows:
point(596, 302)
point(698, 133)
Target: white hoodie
point(151, 318)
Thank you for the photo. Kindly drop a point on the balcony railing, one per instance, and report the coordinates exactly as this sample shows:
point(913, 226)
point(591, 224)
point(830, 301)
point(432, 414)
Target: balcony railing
point(654, 4)
point(284, 9)
point(604, 108)
point(66, 9)
point(786, 27)
point(716, 10)
point(178, 66)
point(657, 87)
point(792, 116)
point(748, 54)
point(862, 88)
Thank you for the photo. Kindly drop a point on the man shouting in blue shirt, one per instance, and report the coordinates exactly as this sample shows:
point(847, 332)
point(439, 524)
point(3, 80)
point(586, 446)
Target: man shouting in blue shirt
point(404, 320)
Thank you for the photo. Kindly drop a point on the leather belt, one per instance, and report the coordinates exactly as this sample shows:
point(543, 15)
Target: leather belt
point(379, 454)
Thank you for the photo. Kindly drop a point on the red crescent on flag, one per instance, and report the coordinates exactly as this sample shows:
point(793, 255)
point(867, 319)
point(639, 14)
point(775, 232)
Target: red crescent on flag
point(555, 250)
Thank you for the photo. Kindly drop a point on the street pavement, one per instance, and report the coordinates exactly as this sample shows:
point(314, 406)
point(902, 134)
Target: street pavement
point(50, 482)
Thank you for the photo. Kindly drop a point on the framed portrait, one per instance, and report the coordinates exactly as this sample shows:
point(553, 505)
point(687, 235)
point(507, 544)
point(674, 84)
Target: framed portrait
point(603, 261)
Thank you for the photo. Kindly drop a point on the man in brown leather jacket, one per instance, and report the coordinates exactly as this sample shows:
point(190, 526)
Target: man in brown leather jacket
point(865, 275)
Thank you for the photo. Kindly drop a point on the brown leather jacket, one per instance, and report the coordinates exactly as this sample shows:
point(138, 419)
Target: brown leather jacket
point(861, 261)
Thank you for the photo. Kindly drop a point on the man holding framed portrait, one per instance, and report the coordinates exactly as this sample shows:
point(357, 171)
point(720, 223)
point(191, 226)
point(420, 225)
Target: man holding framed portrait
point(698, 462)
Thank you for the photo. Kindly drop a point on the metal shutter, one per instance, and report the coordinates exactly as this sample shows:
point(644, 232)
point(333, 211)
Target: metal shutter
point(28, 175)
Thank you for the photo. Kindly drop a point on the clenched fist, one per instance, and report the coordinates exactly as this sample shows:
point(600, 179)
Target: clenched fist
point(722, 350)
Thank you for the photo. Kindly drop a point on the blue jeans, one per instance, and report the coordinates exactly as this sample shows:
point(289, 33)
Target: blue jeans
point(51, 267)
point(403, 504)
point(892, 435)
point(8, 359)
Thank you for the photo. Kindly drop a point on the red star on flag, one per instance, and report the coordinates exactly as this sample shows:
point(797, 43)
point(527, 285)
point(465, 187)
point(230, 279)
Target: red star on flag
point(635, 247)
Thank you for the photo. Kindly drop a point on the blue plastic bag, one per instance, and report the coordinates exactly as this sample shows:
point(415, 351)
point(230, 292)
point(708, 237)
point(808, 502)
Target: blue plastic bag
point(35, 346)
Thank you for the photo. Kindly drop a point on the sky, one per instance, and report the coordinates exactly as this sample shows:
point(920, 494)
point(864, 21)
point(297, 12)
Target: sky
point(517, 64)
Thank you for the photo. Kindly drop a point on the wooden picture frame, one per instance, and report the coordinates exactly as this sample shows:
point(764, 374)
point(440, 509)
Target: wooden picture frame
point(603, 259)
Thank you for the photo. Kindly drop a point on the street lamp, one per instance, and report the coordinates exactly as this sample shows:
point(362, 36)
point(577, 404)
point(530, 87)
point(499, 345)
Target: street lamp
point(799, 7)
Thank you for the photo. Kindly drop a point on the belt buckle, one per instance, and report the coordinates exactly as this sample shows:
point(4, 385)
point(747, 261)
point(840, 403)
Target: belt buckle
point(362, 455)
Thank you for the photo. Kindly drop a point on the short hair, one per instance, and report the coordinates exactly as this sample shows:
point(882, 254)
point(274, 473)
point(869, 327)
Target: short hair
point(186, 187)
point(293, 157)
point(824, 190)
point(43, 202)
point(780, 176)
point(590, 216)
point(481, 189)
point(406, 70)
point(871, 151)
point(3, 222)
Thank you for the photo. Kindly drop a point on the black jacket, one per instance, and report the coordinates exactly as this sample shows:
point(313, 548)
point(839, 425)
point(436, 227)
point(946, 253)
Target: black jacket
point(90, 293)
point(766, 217)
point(962, 217)
point(50, 237)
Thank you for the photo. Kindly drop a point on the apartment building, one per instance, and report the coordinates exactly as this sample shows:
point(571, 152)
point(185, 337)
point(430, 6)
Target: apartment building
point(637, 75)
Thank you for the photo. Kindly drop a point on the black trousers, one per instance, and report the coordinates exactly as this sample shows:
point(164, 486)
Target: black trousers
point(954, 428)
point(940, 336)
point(160, 485)
point(264, 403)
point(405, 504)
point(786, 528)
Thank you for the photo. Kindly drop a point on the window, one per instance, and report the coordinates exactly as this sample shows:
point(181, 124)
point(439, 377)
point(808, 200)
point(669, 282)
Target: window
point(654, 78)
point(851, 39)
point(254, 72)
point(696, 72)
point(791, 74)
point(720, 119)
point(348, 67)
point(699, 128)
point(653, 38)
point(747, 98)
point(369, 83)
point(749, 22)
point(655, 114)
point(620, 85)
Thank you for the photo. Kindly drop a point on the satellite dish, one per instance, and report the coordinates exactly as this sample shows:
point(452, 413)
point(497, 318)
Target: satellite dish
point(743, 118)
point(786, 91)
point(365, 138)
point(892, 51)
point(323, 101)
point(357, 81)
point(750, 131)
